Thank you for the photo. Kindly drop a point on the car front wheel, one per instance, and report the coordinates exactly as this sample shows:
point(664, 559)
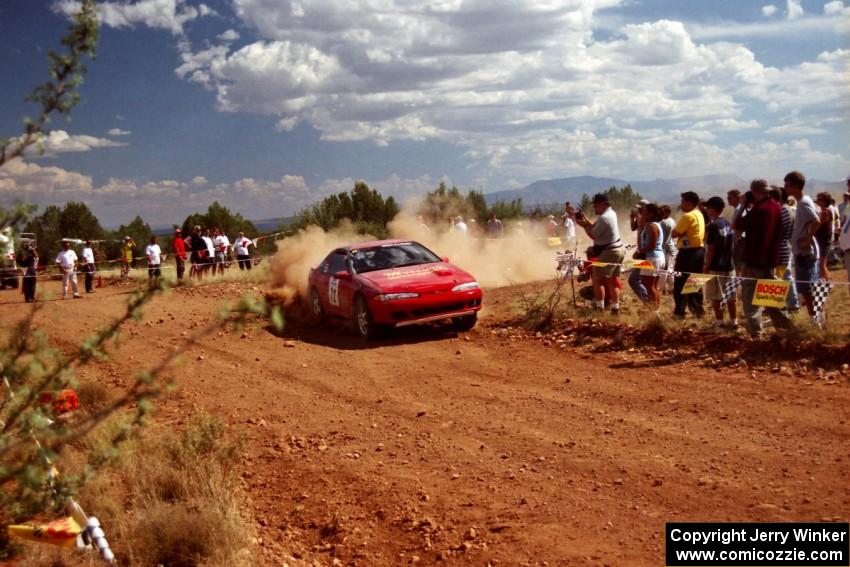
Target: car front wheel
point(465, 323)
point(362, 319)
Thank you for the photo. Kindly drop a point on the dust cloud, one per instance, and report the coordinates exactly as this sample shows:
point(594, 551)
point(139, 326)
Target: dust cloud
point(517, 257)
point(290, 266)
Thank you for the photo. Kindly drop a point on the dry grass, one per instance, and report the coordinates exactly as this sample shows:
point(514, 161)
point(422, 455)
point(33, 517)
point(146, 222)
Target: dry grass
point(164, 499)
point(550, 304)
point(93, 395)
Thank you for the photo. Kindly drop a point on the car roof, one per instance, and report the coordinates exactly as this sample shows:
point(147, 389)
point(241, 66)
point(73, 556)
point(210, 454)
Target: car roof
point(373, 244)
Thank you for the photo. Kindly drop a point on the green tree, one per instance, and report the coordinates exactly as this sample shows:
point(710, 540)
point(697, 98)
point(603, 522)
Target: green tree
point(622, 200)
point(366, 208)
point(443, 202)
point(74, 220)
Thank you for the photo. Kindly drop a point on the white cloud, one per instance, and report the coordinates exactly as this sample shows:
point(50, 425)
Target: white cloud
point(833, 8)
point(229, 35)
point(60, 141)
point(26, 181)
point(523, 89)
point(831, 24)
point(118, 132)
point(383, 71)
point(158, 201)
point(794, 10)
point(170, 15)
point(795, 129)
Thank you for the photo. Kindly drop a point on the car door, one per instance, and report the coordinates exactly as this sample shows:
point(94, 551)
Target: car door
point(321, 275)
point(339, 290)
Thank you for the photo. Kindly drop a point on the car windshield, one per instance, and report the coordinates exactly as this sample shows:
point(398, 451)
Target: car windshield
point(391, 256)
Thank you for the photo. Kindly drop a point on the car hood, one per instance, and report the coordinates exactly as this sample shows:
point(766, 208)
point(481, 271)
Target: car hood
point(439, 276)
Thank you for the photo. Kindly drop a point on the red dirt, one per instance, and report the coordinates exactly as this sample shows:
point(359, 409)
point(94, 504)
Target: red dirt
point(490, 447)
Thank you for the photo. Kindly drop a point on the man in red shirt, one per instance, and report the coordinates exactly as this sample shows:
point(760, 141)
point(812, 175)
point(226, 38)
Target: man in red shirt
point(179, 253)
point(763, 225)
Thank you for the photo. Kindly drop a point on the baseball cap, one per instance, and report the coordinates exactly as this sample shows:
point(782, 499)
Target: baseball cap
point(600, 198)
point(178, 230)
point(643, 202)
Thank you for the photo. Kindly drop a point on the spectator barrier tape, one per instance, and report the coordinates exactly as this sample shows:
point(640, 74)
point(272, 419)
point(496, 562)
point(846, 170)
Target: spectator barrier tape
point(567, 261)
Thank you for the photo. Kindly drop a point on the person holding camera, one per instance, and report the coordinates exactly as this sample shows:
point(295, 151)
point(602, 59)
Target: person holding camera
point(607, 248)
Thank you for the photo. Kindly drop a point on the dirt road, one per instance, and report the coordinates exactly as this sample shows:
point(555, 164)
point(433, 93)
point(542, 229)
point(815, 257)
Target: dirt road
point(482, 448)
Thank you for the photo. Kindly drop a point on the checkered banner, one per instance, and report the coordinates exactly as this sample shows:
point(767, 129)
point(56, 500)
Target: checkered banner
point(567, 263)
point(729, 289)
point(820, 291)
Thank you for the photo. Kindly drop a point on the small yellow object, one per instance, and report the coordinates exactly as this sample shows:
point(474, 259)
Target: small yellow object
point(695, 283)
point(62, 532)
point(771, 293)
point(553, 241)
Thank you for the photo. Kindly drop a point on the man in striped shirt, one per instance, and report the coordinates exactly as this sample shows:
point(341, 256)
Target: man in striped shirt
point(784, 270)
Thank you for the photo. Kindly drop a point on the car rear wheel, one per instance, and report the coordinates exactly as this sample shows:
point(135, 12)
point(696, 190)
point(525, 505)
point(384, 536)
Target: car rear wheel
point(316, 305)
point(364, 325)
point(465, 323)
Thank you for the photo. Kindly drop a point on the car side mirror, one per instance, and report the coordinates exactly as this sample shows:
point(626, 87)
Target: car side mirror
point(343, 275)
point(445, 259)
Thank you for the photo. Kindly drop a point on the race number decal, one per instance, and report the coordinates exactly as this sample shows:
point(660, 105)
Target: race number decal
point(333, 292)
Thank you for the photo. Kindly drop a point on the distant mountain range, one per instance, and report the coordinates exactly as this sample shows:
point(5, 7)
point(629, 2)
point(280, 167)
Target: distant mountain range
point(550, 191)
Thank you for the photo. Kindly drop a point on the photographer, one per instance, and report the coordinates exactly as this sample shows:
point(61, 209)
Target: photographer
point(637, 221)
point(606, 248)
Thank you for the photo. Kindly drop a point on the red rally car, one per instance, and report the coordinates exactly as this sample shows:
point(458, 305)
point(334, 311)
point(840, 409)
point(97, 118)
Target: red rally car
point(392, 283)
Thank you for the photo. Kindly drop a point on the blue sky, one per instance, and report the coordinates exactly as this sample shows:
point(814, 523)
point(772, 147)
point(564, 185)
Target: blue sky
point(269, 105)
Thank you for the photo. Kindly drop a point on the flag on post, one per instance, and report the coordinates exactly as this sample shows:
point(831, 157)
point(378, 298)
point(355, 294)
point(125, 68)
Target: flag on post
point(820, 292)
point(729, 289)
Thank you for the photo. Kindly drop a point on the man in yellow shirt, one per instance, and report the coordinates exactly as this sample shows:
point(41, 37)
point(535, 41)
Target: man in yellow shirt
point(127, 256)
point(690, 235)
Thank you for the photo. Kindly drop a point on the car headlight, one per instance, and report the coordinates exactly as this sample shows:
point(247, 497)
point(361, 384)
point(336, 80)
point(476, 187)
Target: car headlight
point(466, 286)
point(394, 296)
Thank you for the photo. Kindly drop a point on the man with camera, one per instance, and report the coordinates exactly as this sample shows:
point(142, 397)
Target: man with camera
point(607, 249)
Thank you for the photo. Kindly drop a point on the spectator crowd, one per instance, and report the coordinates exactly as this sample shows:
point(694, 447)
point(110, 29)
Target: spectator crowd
point(206, 252)
point(770, 232)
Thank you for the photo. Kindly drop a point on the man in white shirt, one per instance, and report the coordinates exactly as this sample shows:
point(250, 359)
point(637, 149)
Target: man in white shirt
point(243, 255)
point(460, 226)
point(210, 250)
point(67, 260)
point(154, 255)
point(222, 250)
point(88, 266)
